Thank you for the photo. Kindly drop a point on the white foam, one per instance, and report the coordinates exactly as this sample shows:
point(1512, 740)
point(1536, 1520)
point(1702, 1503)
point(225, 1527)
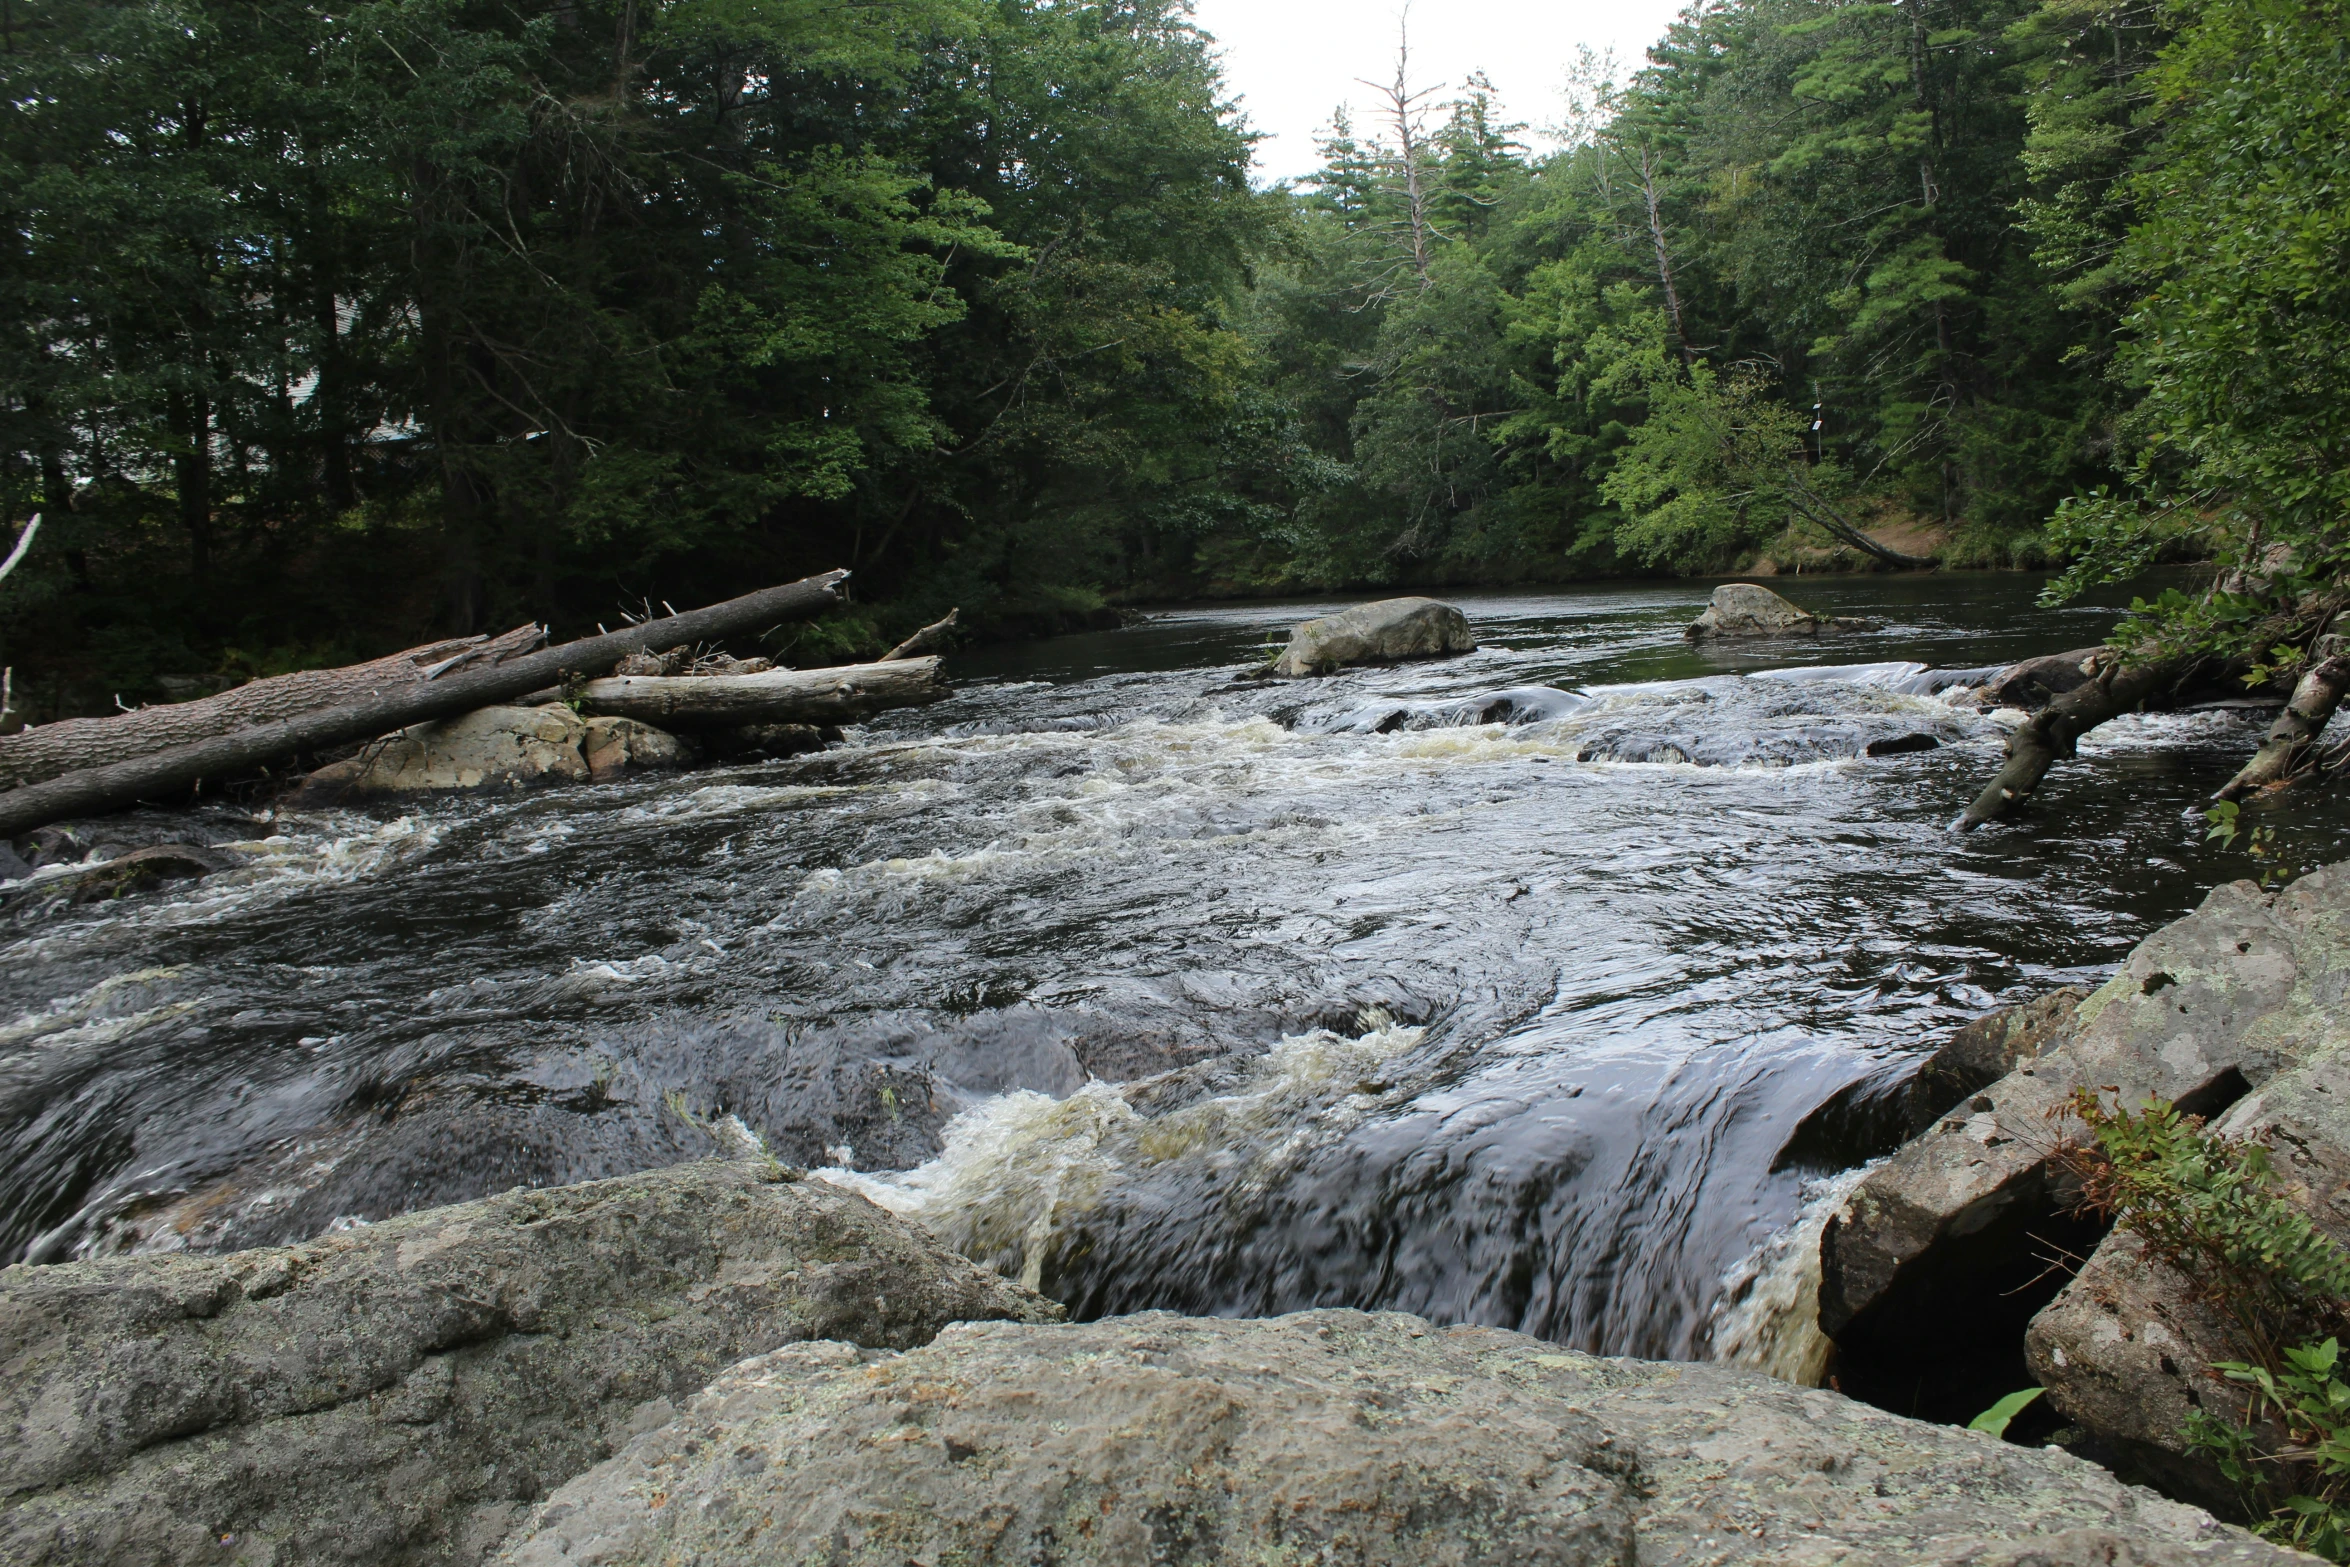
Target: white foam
point(1768, 1317)
point(1016, 1167)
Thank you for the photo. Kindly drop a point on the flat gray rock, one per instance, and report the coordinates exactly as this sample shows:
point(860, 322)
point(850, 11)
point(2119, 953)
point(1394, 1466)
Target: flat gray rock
point(1324, 1437)
point(1386, 632)
point(402, 1391)
point(1937, 1276)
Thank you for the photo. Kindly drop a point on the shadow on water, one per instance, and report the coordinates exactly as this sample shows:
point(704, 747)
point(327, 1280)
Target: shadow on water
point(1156, 988)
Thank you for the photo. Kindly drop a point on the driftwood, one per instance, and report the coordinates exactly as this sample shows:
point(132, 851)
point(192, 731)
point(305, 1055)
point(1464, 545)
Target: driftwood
point(458, 690)
point(52, 750)
point(2287, 750)
point(928, 640)
point(2112, 687)
point(780, 696)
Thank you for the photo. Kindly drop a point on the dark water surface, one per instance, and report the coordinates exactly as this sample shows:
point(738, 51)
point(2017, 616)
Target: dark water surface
point(1509, 1022)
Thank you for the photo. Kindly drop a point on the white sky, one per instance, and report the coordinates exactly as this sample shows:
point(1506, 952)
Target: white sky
point(1292, 61)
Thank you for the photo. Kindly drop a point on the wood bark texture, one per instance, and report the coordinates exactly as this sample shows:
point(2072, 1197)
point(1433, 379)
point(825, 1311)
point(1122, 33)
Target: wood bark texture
point(928, 640)
point(780, 696)
point(50, 750)
point(2112, 689)
point(2292, 738)
point(113, 785)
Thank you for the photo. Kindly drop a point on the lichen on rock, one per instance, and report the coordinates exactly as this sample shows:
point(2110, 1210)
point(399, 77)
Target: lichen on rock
point(1327, 1436)
point(400, 1392)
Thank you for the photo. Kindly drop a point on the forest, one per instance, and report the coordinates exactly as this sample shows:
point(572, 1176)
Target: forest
point(325, 333)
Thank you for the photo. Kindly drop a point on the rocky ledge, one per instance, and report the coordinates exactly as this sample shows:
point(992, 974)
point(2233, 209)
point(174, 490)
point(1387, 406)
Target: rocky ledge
point(1328, 1436)
point(724, 1363)
point(402, 1392)
point(1948, 1278)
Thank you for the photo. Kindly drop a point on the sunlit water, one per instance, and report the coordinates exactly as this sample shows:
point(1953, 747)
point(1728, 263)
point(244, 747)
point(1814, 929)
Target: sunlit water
point(1156, 988)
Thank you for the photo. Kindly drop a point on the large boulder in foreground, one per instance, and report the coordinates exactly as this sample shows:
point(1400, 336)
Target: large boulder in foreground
point(1328, 1436)
point(1386, 632)
point(402, 1391)
point(1743, 610)
point(1936, 1270)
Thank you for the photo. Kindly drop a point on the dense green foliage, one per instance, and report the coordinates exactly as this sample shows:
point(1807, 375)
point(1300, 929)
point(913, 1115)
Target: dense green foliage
point(324, 332)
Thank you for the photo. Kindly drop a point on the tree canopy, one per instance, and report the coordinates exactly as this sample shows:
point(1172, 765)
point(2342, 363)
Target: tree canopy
point(329, 329)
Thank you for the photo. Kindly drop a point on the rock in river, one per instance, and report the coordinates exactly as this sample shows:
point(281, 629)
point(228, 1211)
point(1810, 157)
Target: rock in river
point(1939, 1272)
point(1385, 632)
point(1331, 1437)
point(1741, 609)
point(401, 1392)
point(497, 748)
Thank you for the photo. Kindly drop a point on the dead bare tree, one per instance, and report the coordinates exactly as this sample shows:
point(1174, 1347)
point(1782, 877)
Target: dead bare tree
point(1405, 111)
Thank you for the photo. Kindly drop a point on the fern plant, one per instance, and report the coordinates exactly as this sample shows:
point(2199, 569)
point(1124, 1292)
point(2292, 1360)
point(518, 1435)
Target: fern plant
point(2207, 1206)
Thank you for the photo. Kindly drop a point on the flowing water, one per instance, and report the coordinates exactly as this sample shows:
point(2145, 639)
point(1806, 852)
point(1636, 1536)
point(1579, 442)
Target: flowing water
point(1502, 989)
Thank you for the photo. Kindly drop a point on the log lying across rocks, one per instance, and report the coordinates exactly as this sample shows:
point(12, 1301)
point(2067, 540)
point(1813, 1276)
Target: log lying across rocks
point(778, 696)
point(72, 744)
point(458, 689)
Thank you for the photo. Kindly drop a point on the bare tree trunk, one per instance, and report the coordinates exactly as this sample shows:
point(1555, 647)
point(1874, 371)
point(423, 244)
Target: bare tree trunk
point(24, 543)
point(110, 788)
point(2112, 689)
point(927, 640)
point(1403, 111)
point(191, 414)
point(1664, 254)
point(778, 696)
point(2292, 738)
point(52, 750)
point(1809, 501)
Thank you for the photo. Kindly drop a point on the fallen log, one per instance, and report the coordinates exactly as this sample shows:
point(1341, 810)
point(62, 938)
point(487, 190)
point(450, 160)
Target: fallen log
point(2036, 682)
point(52, 750)
point(2286, 749)
point(779, 696)
point(112, 786)
point(930, 639)
point(2112, 687)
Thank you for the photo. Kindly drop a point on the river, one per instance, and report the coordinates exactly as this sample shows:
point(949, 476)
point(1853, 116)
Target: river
point(1513, 1022)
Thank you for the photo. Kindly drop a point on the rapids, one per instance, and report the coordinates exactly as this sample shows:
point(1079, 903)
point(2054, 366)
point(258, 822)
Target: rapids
point(1549, 987)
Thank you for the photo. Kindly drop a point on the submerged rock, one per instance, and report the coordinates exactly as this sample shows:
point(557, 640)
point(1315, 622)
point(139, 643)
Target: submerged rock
point(1743, 609)
point(1935, 1273)
point(1389, 631)
point(133, 871)
point(1328, 1436)
point(399, 1392)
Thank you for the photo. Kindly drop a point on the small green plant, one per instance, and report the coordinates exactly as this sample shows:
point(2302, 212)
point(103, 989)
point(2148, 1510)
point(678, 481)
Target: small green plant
point(2206, 1206)
point(1993, 1421)
point(2260, 841)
